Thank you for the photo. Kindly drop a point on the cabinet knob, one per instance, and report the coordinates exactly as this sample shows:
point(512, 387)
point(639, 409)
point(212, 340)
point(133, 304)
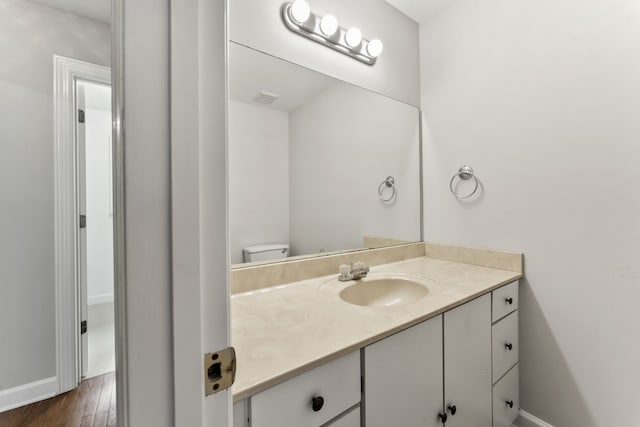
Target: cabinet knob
point(317, 403)
point(452, 409)
point(443, 418)
point(509, 346)
point(510, 403)
point(508, 300)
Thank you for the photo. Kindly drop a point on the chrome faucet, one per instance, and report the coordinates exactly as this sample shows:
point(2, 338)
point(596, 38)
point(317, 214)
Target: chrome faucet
point(356, 271)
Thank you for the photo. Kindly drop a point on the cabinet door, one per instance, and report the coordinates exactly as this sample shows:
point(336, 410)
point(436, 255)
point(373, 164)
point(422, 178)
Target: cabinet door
point(467, 364)
point(403, 378)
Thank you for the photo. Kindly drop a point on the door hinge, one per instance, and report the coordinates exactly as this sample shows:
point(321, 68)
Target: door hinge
point(219, 370)
point(83, 327)
point(80, 116)
point(83, 221)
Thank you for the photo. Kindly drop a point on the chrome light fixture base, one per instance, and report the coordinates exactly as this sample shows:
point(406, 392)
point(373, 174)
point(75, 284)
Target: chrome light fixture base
point(311, 30)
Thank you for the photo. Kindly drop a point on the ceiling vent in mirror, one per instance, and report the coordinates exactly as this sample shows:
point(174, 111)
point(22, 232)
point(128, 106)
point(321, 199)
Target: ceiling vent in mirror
point(266, 97)
point(299, 18)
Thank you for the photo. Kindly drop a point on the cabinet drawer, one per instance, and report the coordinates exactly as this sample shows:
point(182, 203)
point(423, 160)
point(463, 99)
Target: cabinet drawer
point(506, 399)
point(350, 419)
point(505, 345)
point(290, 404)
point(504, 301)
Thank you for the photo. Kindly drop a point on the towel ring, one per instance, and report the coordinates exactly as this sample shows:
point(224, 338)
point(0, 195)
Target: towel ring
point(465, 173)
point(389, 182)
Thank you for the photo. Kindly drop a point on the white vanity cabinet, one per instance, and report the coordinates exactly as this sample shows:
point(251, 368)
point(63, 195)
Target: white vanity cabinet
point(467, 364)
point(403, 378)
point(458, 369)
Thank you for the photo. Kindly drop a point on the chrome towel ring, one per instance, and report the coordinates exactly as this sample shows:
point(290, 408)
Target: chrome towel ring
point(465, 173)
point(389, 182)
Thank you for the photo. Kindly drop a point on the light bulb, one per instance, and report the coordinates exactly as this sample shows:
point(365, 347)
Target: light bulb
point(374, 48)
point(300, 11)
point(329, 25)
point(353, 38)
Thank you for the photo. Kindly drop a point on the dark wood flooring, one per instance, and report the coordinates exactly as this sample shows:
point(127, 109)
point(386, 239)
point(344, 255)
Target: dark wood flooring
point(92, 404)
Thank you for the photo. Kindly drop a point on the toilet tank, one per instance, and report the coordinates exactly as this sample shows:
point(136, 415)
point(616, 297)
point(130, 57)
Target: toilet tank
point(265, 252)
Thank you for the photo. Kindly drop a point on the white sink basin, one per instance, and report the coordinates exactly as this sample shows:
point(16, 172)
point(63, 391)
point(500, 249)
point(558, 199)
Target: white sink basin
point(384, 292)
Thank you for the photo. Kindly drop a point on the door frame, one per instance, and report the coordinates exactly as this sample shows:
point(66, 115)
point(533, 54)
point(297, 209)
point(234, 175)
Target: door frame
point(67, 72)
point(199, 195)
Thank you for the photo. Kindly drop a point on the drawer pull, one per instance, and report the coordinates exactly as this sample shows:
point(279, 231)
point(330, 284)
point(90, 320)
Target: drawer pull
point(317, 403)
point(509, 301)
point(510, 403)
point(452, 409)
point(443, 418)
point(509, 346)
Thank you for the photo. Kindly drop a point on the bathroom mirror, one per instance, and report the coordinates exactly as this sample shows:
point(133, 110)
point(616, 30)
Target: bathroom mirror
point(316, 165)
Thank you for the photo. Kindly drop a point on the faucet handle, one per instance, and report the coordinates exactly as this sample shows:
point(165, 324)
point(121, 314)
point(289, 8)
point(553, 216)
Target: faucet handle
point(345, 269)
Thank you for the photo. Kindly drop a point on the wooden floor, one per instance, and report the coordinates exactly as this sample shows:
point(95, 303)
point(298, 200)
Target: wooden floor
point(93, 403)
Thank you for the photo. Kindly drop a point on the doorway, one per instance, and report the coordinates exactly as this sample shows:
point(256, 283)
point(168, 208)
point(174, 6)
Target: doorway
point(84, 226)
point(95, 205)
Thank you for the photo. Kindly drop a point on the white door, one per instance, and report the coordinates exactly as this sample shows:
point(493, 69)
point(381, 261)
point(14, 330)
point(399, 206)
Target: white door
point(82, 232)
point(403, 378)
point(467, 364)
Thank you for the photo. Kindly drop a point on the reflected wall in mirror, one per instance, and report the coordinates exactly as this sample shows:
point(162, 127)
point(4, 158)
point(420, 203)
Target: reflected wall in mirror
point(308, 155)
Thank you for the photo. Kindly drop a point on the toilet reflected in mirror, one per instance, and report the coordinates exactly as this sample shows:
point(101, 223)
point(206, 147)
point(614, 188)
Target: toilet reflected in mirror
point(265, 252)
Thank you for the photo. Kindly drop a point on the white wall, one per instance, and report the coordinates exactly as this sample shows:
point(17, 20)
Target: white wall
point(542, 99)
point(99, 205)
point(258, 177)
point(30, 35)
point(258, 24)
point(343, 144)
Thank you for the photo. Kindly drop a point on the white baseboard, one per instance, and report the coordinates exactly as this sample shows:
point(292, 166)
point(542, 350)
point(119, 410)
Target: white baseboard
point(28, 393)
point(100, 299)
point(527, 420)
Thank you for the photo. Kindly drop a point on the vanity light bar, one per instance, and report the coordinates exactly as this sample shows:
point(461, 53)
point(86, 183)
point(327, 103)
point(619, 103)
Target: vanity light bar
point(297, 16)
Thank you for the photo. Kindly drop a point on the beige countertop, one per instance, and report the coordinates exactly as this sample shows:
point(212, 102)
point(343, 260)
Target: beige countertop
point(281, 331)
